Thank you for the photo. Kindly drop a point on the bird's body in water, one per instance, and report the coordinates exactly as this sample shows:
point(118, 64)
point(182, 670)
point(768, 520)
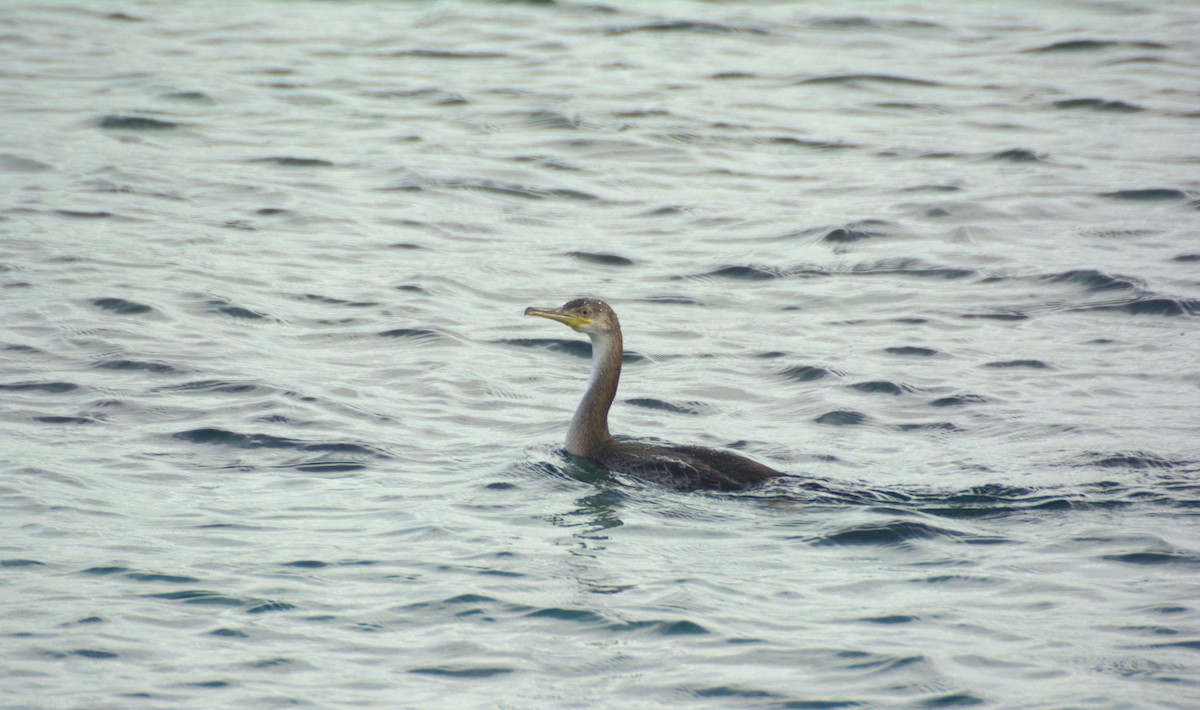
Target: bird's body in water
point(688, 467)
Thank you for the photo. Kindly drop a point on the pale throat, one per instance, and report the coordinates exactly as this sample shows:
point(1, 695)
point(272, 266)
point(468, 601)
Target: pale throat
point(589, 426)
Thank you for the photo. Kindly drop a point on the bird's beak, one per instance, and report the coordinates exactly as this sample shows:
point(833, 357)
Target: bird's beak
point(559, 315)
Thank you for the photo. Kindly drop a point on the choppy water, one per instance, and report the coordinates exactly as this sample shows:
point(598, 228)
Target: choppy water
point(274, 432)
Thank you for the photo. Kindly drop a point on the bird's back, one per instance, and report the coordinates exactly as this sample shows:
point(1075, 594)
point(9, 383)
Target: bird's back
point(688, 467)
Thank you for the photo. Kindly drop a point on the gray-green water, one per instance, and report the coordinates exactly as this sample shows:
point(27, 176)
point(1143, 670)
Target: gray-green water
point(274, 432)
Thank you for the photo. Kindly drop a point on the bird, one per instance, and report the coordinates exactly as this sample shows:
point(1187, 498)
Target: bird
point(683, 467)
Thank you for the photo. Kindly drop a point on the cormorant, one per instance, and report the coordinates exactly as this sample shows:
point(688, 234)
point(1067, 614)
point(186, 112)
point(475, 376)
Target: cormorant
point(689, 467)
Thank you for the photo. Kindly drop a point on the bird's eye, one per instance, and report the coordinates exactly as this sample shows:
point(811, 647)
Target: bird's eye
point(585, 313)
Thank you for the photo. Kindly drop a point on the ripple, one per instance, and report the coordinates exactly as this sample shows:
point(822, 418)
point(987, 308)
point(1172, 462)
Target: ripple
point(1150, 307)
point(951, 700)
point(878, 387)
point(21, 563)
point(412, 334)
point(578, 615)
point(1156, 558)
point(223, 307)
point(48, 387)
point(222, 437)
point(51, 419)
point(118, 122)
point(447, 54)
point(745, 273)
point(94, 653)
point(658, 404)
point(157, 368)
point(805, 373)
point(1020, 155)
point(1093, 45)
point(842, 418)
point(911, 350)
point(601, 258)
point(680, 628)
point(957, 400)
point(1098, 105)
point(859, 79)
point(462, 671)
point(1031, 364)
point(686, 26)
point(1152, 194)
point(16, 164)
point(1134, 460)
point(199, 596)
point(576, 348)
point(293, 162)
point(221, 386)
point(120, 305)
point(851, 233)
point(77, 214)
point(894, 533)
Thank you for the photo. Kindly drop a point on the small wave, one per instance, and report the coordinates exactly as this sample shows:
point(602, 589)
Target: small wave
point(447, 54)
point(1020, 155)
point(286, 161)
point(745, 273)
point(546, 118)
point(16, 164)
point(928, 426)
point(1092, 280)
point(157, 368)
point(585, 616)
point(681, 627)
point(660, 405)
point(412, 333)
point(121, 306)
point(958, 400)
point(1173, 557)
point(911, 351)
point(330, 300)
point(842, 417)
point(1098, 105)
point(850, 234)
point(858, 79)
point(687, 26)
point(1031, 364)
point(1093, 45)
point(77, 214)
point(222, 386)
point(1011, 315)
point(602, 259)
point(21, 563)
point(224, 437)
point(226, 308)
point(1153, 194)
point(462, 671)
point(893, 533)
point(879, 387)
point(805, 373)
point(48, 387)
point(810, 143)
point(1134, 460)
point(523, 191)
point(53, 419)
point(196, 96)
point(116, 122)
point(1151, 307)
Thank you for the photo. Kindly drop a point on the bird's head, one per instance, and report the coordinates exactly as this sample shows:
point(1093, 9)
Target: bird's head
point(586, 315)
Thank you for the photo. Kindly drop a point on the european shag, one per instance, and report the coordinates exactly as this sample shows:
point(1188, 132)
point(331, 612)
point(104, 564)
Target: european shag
point(688, 467)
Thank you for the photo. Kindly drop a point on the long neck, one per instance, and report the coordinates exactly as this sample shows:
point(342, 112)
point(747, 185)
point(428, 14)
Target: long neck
point(589, 427)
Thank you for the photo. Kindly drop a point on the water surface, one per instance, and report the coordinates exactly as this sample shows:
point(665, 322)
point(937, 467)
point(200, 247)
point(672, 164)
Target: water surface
point(274, 432)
